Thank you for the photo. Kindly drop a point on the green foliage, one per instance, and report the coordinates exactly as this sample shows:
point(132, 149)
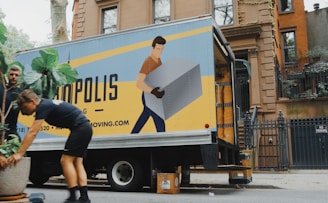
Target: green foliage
point(10, 147)
point(3, 30)
point(314, 78)
point(323, 89)
point(3, 64)
point(48, 75)
point(317, 68)
point(3, 39)
point(16, 41)
point(12, 40)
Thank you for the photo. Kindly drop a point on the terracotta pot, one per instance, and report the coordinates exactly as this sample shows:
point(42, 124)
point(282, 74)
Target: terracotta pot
point(13, 180)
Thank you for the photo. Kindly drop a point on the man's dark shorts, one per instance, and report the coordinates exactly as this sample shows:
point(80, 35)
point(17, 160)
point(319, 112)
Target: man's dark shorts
point(78, 141)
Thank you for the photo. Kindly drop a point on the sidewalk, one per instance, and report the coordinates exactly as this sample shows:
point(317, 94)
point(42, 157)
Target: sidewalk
point(292, 179)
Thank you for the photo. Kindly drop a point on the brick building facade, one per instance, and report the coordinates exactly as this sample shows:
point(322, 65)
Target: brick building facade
point(269, 34)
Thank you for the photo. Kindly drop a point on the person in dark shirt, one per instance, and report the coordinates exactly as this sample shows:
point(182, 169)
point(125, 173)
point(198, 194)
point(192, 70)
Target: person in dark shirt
point(60, 114)
point(12, 88)
point(10, 117)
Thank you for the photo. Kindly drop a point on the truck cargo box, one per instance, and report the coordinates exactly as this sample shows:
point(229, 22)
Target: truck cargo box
point(193, 123)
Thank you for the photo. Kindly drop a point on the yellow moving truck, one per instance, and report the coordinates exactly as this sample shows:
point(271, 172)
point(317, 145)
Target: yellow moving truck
point(187, 119)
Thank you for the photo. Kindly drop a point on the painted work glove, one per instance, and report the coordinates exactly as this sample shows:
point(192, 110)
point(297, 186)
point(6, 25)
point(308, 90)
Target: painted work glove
point(158, 94)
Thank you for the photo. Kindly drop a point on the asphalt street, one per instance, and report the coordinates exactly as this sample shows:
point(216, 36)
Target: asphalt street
point(299, 186)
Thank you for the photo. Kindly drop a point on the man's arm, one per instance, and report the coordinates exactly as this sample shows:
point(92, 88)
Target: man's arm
point(141, 83)
point(27, 141)
point(143, 86)
point(3, 162)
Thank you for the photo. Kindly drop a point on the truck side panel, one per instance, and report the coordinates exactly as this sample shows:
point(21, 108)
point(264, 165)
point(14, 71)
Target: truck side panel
point(193, 62)
point(108, 66)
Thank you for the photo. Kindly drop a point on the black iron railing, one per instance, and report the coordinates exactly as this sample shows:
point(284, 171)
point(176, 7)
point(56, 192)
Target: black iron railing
point(311, 83)
point(280, 144)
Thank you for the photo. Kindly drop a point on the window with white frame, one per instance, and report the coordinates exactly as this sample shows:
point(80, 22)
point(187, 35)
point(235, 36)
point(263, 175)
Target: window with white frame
point(286, 5)
point(109, 19)
point(161, 11)
point(289, 47)
point(223, 12)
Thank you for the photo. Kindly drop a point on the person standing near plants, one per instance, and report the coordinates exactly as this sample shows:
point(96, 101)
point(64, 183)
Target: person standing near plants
point(12, 88)
point(11, 114)
point(60, 114)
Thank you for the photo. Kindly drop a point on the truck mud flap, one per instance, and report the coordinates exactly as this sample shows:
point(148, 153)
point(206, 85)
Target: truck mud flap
point(210, 156)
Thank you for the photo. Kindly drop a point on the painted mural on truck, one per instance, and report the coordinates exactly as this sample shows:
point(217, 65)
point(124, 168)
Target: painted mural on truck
point(120, 96)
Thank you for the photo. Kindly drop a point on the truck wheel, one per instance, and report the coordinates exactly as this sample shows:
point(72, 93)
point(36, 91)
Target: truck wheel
point(125, 175)
point(37, 176)
point(39, 180)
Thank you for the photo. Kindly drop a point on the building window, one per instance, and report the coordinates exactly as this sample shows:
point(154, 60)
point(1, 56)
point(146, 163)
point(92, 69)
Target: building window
point(223, 12)
point(289, 47)
point(162, 11)
point(286, 5)
point(109, 20)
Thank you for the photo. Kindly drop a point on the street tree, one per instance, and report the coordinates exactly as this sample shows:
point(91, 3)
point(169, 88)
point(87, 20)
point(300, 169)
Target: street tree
point(58, 20)
point(16, 41)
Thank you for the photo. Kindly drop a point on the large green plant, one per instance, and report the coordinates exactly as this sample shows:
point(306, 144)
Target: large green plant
point(48, 75)
point(45, 78)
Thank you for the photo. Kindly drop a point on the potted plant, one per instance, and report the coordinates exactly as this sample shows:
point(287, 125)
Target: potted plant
point(44, 79)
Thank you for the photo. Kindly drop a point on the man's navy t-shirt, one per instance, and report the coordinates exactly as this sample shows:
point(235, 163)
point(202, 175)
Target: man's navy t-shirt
point(11, 118)
point(59, 113)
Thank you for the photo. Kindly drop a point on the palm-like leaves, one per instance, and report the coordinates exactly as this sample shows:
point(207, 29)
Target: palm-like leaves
point(11, 146)
point(48, 75)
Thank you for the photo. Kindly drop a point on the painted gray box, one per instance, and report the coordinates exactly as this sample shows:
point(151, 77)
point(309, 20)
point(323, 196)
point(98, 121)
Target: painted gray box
point(181, 80)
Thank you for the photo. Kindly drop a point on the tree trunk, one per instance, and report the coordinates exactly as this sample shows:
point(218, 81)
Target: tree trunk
point(58, 20)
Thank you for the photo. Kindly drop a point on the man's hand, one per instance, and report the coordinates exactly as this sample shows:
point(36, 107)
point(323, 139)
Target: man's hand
point(13, 159)
point(158, 94)
point(3, 162)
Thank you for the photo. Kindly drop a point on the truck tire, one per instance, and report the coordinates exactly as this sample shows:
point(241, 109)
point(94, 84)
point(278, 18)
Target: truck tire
point(39, 180)
point(125, 174)
point(37, 175)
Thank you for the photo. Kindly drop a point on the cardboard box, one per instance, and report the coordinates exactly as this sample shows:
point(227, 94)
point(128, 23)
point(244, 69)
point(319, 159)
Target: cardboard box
point(168, 183)
point(181, 81)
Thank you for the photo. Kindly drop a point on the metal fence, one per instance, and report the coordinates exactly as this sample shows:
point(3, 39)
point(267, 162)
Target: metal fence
point(281, 144)
point(312, 82)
